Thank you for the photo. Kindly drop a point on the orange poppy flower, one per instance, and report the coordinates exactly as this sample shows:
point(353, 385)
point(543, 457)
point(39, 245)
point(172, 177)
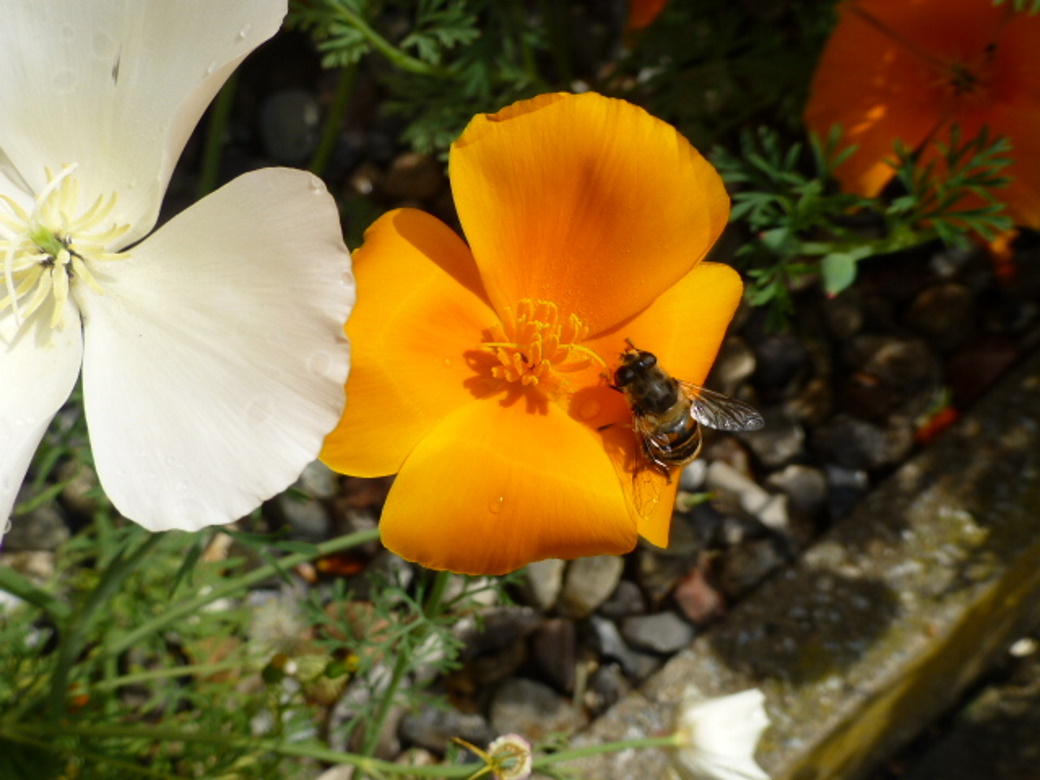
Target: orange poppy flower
point(641, 13)
point(911, 69)
point(478, 372)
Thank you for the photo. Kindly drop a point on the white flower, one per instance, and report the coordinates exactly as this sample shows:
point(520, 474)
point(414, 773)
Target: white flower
point(213, 352)
point(717, 737)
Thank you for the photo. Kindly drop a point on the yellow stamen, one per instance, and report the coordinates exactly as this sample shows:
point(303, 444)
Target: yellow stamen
point(45, 252)
point(533, 346)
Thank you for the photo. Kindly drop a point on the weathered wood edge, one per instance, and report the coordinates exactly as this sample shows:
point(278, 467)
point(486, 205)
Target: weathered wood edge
point(884, 622)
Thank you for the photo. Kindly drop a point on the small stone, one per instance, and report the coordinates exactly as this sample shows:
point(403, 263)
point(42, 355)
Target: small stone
point(588, 583)
point(543, 581)
point(845, 487)
point(844, 314)
point(414, 176)
point(741, 490)
point(734, 364)
point(608, 641)
point(725, 448)
point(533, 710)
point(606, 687)
point(774, 515)
point(779, 442)
point(896, 362)
point(747, 565)
point(318, 480)
point(692, 477)
point(434, 729)
point(699, 600)
point(499, 628)
point(79, 497)
point(663, 632)
point(288, 125)
point(857, 444)
point(42, 529)
point(781, 360)
point(978, 364)
point(627, 599)
point(805, 487)
point(657, 573)
point(812, 404)
point(555, 648)
point(307, 519)
point(864, 395)
point(944, 313)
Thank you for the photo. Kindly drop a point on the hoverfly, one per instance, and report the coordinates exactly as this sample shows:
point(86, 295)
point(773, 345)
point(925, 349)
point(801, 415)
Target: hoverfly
point(667, 415)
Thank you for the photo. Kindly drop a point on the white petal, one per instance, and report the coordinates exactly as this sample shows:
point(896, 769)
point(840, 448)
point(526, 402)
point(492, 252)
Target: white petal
point(215, 363)
point(37, 373)
point(721, 735)
point(117, 86)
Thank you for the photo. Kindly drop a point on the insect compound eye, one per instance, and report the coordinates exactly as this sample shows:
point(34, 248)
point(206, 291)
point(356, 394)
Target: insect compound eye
point(624, 375)
point(646, 360)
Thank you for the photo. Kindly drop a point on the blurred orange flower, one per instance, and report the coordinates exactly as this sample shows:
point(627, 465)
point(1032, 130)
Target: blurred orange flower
point(911, 69)
point(641, 13)
point(479, 371)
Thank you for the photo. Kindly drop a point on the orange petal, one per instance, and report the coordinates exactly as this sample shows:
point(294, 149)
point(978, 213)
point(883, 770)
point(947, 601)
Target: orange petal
point(878, 89)
point(684, 328)
point(420, 309)
point(1020, 122)
point(583, 200)
point(641, 13)
point(495, 487)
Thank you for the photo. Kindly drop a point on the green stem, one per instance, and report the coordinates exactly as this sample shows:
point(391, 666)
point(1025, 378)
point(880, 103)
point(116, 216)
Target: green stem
point(232, 586)
point(334, 119)
point(391, 52)
point(118, 681)
point(552, 15)
point(430, 609)
point(549, 759)
point(14, 583)
point(30, 732)
point(219, 117)
point(75, 634)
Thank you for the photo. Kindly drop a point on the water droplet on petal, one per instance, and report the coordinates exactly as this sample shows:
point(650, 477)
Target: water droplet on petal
point(347, 279)
point(320, 363)
point(496, 505)
point(447, 362)
point(243, 33)
point(7, 527)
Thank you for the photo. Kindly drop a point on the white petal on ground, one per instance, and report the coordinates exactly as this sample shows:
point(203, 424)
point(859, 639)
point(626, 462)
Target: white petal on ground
point(215, 362)
point(719, 736)
point(35, 380)
point(117, 86)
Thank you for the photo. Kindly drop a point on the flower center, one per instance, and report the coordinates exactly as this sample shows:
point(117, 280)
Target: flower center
point(43, 253)
point(970, 79)
point(534, 345)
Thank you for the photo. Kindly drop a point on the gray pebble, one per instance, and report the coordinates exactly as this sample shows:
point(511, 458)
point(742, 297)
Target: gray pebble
point(533, 710)
point(664, 632)
point(588, 583)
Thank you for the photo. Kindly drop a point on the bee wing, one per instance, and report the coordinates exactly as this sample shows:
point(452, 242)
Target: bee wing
point(719, 411)
point(647, 485)
point(651, 476)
